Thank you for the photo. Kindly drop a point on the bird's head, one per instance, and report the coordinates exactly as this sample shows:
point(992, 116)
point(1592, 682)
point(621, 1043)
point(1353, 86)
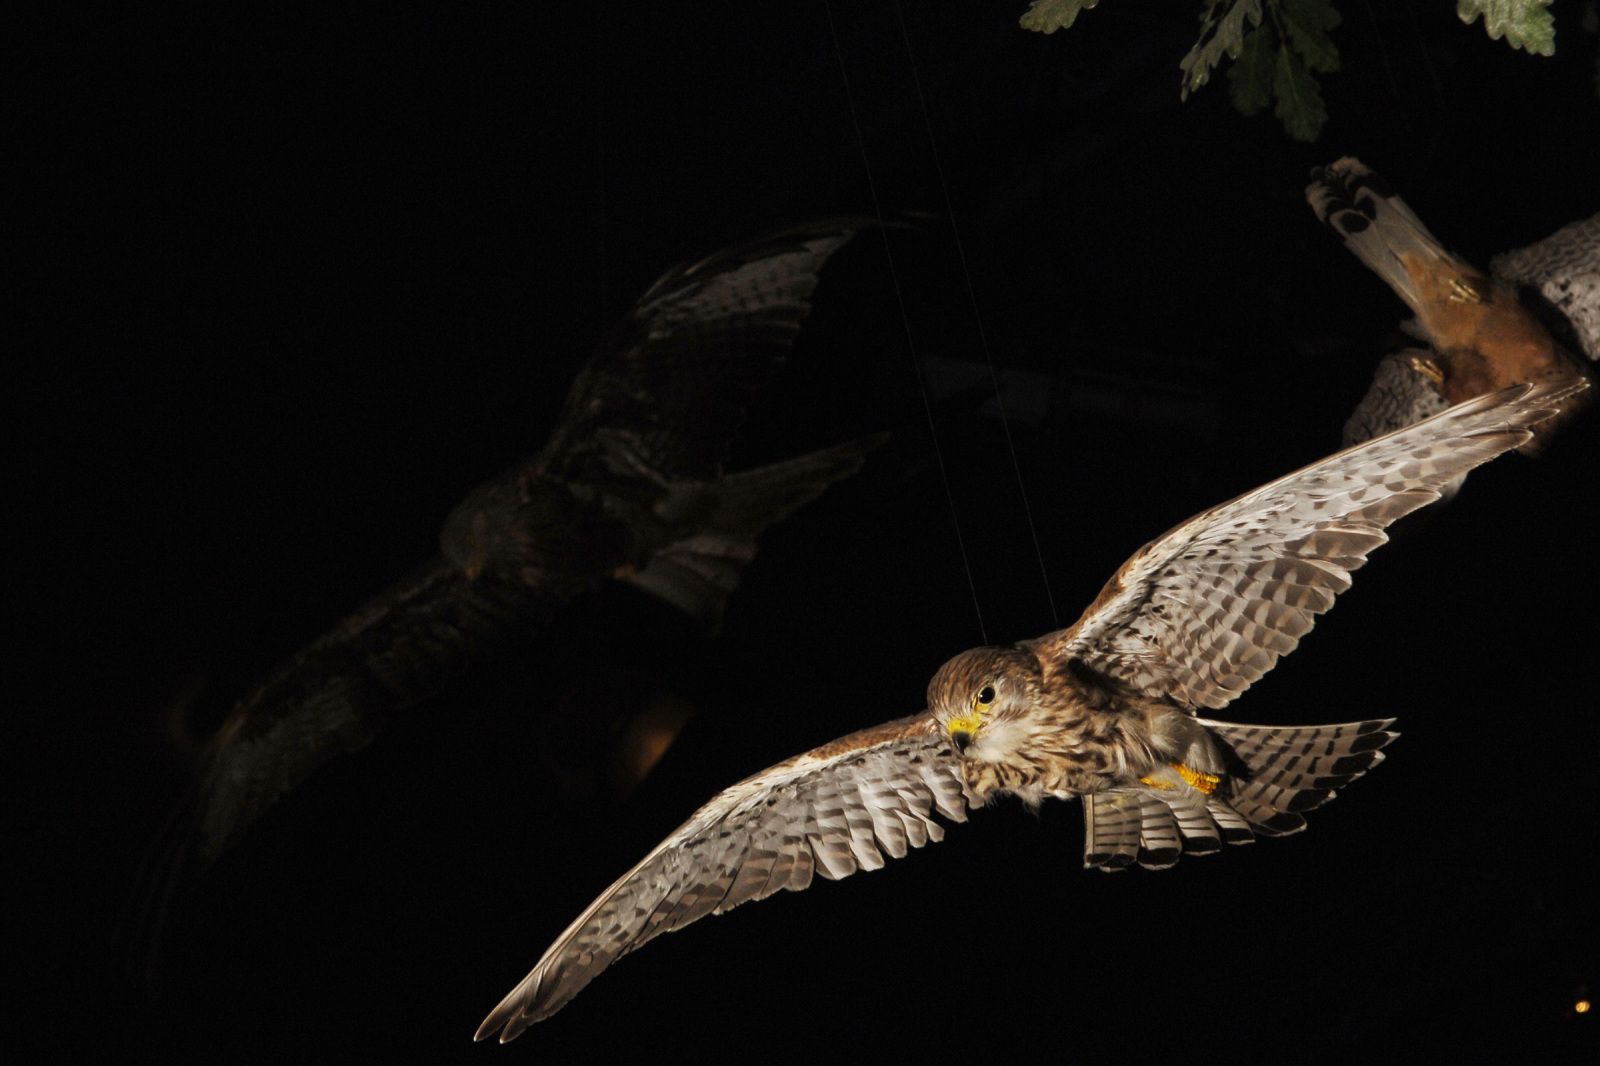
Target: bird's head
point(481, 530)
point(975, 695)
point(536, 531)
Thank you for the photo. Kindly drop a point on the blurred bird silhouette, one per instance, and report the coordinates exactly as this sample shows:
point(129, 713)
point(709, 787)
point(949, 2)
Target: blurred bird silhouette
point(629, 487)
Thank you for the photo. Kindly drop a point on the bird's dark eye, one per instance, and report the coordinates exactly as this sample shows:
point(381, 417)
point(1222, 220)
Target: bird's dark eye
point(986, 694)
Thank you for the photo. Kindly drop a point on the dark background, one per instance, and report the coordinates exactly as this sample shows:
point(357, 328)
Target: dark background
point(293, 279)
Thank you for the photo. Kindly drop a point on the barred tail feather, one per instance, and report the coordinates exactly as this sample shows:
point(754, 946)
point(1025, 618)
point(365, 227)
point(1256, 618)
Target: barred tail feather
point(1278, 772)
point(1160, 838)
point(1378, 227)
point(1154, 828)
point(1265, 778)
point(1235, 830)
point(1112, 830)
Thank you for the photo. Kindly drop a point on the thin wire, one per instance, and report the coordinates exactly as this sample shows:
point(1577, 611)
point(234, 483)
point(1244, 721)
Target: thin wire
point(1388, 70)
point(905, 318)
point(600, 159)
point(1427, 59)
point(977, 316)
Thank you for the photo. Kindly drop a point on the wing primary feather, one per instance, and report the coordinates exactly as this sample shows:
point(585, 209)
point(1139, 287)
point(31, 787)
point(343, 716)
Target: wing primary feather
point(828, 811)
point(1204, 611)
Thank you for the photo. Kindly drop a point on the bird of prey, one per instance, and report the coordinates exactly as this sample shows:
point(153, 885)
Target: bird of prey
point(1480, 335)
point(1105, 711)
point(630, 486)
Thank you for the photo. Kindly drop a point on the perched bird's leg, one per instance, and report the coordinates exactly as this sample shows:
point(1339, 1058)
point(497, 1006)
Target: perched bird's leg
point(1465, 290)
point(1483, 338)
point(1429, 368)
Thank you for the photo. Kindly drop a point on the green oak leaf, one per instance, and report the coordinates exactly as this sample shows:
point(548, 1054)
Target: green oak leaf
point(1300, 104)
point(1220, 34)
point(1524, 24)
point(1306, 23)
point(1048, 16)
point(1250, 77)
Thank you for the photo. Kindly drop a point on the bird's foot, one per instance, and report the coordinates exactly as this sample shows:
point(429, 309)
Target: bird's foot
point(1429, 368)
point(1466, 291)
point(1198, 780)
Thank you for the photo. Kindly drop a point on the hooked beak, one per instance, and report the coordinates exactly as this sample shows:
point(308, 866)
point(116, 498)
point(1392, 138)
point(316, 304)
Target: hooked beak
point(963, 729)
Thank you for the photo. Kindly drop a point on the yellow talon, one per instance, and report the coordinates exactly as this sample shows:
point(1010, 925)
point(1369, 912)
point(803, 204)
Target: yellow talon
point(1464, 291)
point(1429, 369)
point(1198, 780)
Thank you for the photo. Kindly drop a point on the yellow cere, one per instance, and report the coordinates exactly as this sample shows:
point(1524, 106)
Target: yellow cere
point(967, 723)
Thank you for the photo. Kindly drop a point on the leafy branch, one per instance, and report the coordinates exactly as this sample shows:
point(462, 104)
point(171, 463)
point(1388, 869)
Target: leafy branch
point(1278, 46)
point(1277, 60)
point(1048, 16)
point(1220, 34)
point(1525, 24)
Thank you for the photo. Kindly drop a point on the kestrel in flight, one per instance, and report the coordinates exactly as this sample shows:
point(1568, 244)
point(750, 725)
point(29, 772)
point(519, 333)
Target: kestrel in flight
point(1105, 711)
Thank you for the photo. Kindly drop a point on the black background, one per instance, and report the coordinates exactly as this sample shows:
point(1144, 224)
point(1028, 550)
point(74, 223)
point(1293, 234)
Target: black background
point(291, 280)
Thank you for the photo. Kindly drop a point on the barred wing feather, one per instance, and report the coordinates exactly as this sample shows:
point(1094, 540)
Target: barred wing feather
point(669, 388)
point(829, 812)
point(1200, 614)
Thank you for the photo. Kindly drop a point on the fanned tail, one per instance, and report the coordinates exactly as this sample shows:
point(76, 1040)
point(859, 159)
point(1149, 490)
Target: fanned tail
point(1284, 771)
point(1385, 234)
point(699, 573)
point(1267, 777)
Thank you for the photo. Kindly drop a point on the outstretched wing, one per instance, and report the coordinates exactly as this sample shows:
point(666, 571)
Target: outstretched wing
point(669, 387)
point(339, 693)
point(829, 812)
point(1201, 613)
